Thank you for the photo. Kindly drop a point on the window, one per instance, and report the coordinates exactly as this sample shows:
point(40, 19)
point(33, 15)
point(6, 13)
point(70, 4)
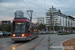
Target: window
point(19, 27)
point(27, 27)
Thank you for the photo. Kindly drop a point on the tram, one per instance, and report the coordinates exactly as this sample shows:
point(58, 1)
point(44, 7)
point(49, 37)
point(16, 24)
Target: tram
point(23, 29)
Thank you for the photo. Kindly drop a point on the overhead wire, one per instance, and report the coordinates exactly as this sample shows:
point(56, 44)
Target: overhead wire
point(35, 5)
point(28, 7)
point(59, 6)
point(7, 8)
point(26, 4)
point(39, 6)
point(45, 5)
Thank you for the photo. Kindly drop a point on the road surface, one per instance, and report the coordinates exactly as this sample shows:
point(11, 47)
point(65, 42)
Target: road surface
point(55, 40)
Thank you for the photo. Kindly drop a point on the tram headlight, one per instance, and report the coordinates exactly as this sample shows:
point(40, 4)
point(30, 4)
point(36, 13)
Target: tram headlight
point(13, 34)
point(22, 34)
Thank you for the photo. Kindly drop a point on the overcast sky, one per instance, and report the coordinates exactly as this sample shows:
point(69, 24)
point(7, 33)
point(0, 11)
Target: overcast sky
point(39, 7)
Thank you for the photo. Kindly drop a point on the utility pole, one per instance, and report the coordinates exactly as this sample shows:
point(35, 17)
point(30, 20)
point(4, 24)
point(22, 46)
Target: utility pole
point(30, 14)
point(63, 23)
point(66, 24)
point(71, 25)
point(60, 23)
point(52, 19)
point(46, 28)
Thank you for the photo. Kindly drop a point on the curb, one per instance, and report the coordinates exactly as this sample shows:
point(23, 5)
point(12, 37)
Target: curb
point(63, 42)
point(62, 45)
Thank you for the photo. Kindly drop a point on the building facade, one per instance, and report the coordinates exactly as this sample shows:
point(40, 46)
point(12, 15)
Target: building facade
point(6, 22)
point(40, 20)
point(55, 20)
point(52, 18)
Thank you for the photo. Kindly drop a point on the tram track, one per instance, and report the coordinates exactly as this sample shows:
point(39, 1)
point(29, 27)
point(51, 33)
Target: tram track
point(49, 44)
point(6, 46)
point(37, 44)
point(13, 45)
point(41, 43)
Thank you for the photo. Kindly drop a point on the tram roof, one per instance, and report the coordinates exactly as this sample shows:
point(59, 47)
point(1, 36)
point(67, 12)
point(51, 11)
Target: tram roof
point(23, 20)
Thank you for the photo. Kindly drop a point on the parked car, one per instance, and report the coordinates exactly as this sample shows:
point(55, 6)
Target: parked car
point(1, 34)
point(53, 32)
point(6, 33)
point(61, 31)
point(47, 31)
point(43, 32)
point(9, 33)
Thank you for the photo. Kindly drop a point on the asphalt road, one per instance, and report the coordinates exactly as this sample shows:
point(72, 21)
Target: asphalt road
point(55, 41)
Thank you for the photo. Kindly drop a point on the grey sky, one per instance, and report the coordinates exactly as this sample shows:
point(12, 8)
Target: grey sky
point(8, 7)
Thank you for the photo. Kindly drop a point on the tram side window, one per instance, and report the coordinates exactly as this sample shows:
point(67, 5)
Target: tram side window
point(27, 27)
point(31, 28)
point(34, 29)
point(37, 30)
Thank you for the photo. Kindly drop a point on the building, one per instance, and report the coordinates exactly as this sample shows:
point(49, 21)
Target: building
point(6, 22)
point(5, 25)
point(19, 14)
point(55, 20)
point(40, 20)
point(52, 19)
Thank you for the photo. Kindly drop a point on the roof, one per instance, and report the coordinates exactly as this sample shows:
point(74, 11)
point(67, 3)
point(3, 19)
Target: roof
point(23, 20)
point(71, 17)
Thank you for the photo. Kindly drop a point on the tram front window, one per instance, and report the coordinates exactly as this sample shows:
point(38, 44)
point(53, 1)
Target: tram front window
point(19, 27)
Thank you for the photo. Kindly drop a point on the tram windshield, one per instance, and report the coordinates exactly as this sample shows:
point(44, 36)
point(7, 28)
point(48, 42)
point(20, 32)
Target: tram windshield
point(19, 27)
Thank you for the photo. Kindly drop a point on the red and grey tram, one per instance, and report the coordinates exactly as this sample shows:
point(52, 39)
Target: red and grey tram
point(23, 30)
